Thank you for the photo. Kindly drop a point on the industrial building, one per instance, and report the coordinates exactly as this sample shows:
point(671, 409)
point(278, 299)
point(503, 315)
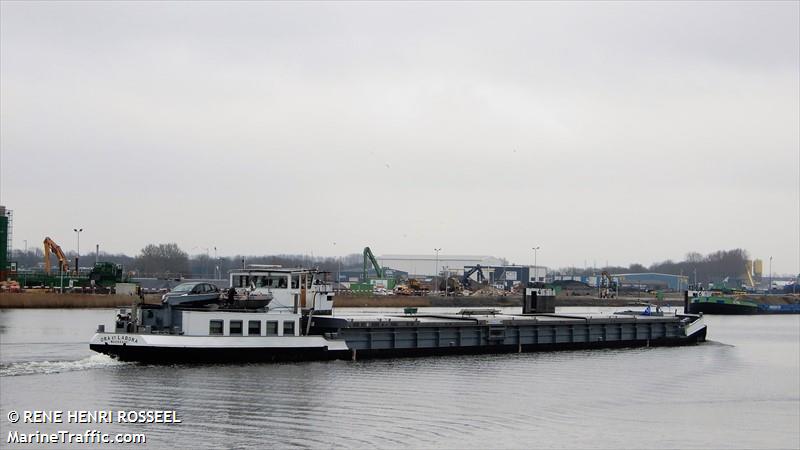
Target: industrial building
point(6, 228)
point(589, 280)
point(508, 276)
point(357, 275)
point(430, 265)
point(651, 281)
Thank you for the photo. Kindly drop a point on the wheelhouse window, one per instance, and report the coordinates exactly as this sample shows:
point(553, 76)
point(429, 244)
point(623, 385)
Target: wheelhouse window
point(254, 328)
point(215, 328)
point(236, 328)
point(272, 328)
point(288, 328)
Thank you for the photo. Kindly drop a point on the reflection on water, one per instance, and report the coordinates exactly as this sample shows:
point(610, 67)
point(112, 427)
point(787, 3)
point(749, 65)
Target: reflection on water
point(738, 391)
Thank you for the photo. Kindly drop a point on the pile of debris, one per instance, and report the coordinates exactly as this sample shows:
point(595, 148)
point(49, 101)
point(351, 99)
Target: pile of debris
point(489, 291)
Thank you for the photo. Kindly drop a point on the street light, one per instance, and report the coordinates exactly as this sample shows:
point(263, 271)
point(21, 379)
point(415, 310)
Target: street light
point(217, 271)
point(770, 276)
point(78, 247)
point(436, 276)
point(535, 254)
point(339, 269)
point(446, 273)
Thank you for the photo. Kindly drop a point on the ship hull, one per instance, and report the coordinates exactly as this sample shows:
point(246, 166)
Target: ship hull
point(724, 307)
point(174, 355)
point(382, 341)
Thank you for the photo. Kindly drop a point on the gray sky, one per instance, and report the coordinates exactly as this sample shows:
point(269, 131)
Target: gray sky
point(599, 131)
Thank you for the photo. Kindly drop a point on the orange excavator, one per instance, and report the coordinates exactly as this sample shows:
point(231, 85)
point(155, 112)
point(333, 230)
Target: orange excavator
point(51, 246)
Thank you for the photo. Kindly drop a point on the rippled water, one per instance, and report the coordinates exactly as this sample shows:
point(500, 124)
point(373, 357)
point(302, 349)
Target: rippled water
point(740, 390)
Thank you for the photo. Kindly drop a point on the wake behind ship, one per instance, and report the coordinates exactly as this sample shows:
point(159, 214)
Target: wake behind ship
point(272, 313)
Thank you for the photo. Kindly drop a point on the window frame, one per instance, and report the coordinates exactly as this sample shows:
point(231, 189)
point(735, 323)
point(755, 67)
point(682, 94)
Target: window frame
point(213, 322)
point(230, 328)
point(250, 326)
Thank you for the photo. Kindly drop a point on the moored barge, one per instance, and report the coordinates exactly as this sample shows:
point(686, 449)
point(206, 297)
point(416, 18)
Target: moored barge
point(707, 302)
point(293, 320)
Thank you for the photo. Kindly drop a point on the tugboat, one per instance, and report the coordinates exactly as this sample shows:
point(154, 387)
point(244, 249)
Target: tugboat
point(271, 313)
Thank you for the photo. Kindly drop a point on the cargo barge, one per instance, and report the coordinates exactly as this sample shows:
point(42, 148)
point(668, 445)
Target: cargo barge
point(706, 302)
point(282, 314)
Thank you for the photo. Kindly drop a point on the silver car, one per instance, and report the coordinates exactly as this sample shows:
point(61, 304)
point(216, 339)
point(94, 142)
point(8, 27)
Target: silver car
point(196, 293)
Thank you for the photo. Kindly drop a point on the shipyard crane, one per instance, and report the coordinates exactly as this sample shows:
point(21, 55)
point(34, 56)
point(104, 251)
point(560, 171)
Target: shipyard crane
point(51, 246)
point(370, 258)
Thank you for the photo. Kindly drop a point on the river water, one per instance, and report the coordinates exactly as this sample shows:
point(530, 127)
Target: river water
point(739, 390)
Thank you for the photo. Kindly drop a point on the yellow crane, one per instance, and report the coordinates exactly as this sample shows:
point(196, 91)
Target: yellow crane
point(51, 246)
point(748, 270)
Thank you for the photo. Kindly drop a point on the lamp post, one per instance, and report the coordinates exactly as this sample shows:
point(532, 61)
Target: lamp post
point(339, 267)
point(535, 254)
point(446, 273)
point(436, 276)
point(78, 247)
point(217, 271)
point(769, 291)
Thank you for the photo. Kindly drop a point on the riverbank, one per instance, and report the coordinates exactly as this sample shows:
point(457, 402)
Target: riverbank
point(40, 299)
point(53, 300)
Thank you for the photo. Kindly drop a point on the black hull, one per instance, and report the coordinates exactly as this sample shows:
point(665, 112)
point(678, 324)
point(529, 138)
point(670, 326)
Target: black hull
point(169, 355)
point(173, 355)
point(723, 308)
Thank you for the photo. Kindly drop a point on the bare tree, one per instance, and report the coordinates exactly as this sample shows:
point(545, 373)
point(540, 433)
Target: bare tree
point(163, 259)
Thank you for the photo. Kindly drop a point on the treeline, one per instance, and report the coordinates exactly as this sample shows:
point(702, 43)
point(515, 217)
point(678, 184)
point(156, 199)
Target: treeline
point(170, 261)
point(713, 267)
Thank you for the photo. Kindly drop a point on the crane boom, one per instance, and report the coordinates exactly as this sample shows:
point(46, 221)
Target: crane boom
point(748, 269)
point(369, 257)
point(467, 274)
point(51, 246)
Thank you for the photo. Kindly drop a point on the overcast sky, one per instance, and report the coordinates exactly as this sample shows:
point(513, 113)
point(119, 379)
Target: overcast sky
point(619, 132)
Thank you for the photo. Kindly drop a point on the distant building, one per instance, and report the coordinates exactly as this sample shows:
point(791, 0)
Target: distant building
point(590, 280)
point(5, 241)
point(354, 275)
point(652, 281)
point(427, 264)
point(510, 276)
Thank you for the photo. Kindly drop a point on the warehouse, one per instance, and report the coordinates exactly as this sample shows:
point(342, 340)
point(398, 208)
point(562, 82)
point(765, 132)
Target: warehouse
point(652, 281)
point(355, 275)
point(431, 265)
point(508, 276)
